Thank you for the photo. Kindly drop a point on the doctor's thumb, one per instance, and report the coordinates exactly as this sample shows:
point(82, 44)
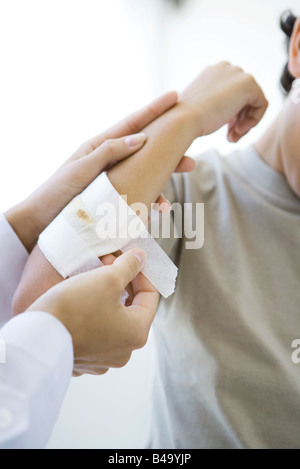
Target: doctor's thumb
point(130, 264)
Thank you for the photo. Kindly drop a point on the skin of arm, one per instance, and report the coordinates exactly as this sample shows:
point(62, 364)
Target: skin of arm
point(30, 217)
point(39, 275)
point(220, 95)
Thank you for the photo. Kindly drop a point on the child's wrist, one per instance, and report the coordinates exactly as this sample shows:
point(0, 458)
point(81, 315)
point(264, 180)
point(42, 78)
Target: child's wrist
point(191, 116)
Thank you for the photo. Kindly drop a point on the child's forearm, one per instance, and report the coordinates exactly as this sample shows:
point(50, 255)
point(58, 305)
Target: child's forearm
point(220, 95)
point(143, 176)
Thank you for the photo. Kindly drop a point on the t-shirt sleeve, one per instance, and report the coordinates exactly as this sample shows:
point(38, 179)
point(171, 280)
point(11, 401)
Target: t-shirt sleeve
point(186, 192)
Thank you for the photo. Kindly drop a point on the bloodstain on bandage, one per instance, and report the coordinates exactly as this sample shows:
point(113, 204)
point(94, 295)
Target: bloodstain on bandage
point(83, 216)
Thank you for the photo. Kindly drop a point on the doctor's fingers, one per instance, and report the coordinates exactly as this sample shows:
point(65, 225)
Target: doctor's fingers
point(140, 318)
point(113, 151)
point(126, 267)
point(140, 314)
point(142, 311)
point(186, 165)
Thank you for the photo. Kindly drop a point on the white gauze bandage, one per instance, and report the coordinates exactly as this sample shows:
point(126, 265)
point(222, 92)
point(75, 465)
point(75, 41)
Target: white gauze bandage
point(99, 222)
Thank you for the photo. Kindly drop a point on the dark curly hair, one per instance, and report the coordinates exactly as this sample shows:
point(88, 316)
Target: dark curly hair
point(287, 23)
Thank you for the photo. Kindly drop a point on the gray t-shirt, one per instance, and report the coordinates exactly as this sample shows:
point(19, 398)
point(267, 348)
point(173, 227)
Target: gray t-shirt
point(224, 375)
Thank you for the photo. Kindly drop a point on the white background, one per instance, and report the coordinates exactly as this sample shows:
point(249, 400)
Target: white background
point(69, 69)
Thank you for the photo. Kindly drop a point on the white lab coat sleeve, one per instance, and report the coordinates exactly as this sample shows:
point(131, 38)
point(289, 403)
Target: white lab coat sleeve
point(38, 355)
point(13, 257)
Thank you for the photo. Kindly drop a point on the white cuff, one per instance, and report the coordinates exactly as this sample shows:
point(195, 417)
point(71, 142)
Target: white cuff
point(34, 379)
point(42, 336)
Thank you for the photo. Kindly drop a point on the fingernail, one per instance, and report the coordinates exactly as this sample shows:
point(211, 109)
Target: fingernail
point(165, 207)
point(141, 256)
point(135, 140)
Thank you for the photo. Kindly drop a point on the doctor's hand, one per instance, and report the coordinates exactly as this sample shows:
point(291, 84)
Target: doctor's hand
point(104, 332)
point(32, 216)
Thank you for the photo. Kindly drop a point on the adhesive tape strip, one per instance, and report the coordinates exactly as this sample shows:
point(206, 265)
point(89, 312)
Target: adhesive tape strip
point(76, 239)
point(66, 250)
point(73, 258)
point(159, 268)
